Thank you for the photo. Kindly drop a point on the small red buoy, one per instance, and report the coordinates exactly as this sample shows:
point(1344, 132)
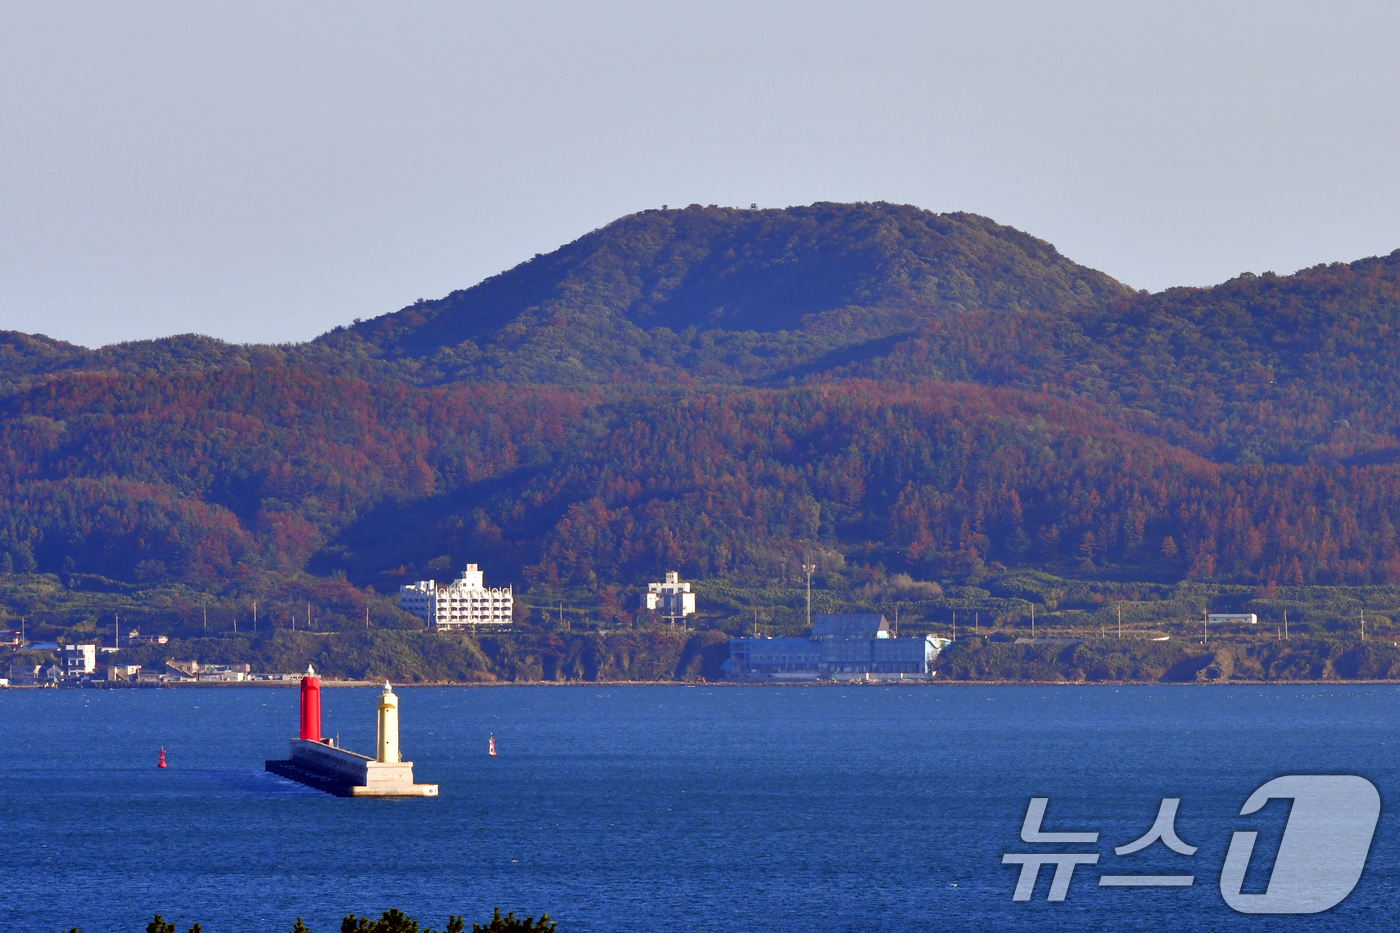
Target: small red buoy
point(162, 757)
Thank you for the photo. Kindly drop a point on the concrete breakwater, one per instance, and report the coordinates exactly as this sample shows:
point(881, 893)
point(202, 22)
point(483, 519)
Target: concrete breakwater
point(320, 762)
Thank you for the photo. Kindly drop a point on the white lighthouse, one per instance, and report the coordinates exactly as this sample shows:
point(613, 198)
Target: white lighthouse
point(320, 762)
point(388, 726)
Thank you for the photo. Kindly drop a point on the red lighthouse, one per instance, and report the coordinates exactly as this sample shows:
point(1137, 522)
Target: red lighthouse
point(311, 706)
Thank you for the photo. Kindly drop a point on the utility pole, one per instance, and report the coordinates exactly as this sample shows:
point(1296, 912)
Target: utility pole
point(206, 620)
point(809, 569)
point(977, 622)
point(255, 615)
point(1120, 620)
point(896, 620)
point(366, 616)
point(1032, 620)
point(1205, 627)
point(1285, 625)
point(955, 625)
point(1363, 624)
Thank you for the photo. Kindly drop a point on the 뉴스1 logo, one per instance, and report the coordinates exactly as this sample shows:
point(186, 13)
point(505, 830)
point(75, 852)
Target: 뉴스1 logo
point(1320, 858)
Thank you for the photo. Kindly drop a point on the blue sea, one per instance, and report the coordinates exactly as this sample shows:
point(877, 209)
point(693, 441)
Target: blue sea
point(618, 808)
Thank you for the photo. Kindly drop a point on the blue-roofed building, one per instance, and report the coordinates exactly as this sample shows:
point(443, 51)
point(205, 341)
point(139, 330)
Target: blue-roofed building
point(774, 656)
point(840, 647)
point(865, 625)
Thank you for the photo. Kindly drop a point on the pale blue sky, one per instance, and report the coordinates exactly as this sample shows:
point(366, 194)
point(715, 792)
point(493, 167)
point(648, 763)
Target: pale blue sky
point(265, 171)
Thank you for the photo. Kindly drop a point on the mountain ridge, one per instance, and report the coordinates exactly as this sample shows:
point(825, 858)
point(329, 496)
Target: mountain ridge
point(784, 285)
point(950, 397)
point(712, 267)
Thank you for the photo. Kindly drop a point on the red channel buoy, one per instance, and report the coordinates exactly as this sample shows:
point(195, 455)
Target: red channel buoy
point(162, 757)
point(493, 743)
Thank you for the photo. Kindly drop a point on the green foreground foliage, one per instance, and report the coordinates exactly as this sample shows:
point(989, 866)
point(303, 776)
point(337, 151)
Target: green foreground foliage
point(395, 921)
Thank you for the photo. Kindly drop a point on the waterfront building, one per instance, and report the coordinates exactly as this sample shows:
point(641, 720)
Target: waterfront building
point(223, 673)
point(835, 627)
point(670, 598)
point(840, 647)
point(181, 670)
point(123, 673)
point(465, 603)
point(25, 673)
point(79, 660)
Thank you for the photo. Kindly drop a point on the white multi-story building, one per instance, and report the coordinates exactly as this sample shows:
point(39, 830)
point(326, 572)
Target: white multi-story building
point(79, 660)
point(672, 598)
point(465, 603)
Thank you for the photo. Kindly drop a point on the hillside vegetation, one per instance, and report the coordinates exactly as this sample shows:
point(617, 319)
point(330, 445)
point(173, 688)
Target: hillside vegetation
point(242, 476)
point(726, 295)
point(879, 390)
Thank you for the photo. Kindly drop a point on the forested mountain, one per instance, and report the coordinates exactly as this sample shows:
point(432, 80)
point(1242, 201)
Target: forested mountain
point(731, 393)
point(726, 295)
point(1262, 368)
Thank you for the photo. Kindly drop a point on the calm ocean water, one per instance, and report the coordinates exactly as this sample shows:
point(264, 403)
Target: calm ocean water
point(673, 808)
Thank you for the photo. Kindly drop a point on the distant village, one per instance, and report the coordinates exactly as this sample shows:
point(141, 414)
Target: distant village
point(86, 663)
point(838, 647)
point(82, 664)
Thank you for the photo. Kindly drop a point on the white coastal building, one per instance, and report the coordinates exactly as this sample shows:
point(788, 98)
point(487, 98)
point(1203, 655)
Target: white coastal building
point(465, 603)
point(79, 660)
point(672, 598)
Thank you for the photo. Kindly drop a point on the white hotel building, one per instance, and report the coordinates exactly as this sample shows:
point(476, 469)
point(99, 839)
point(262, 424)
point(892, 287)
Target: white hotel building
point(466, 603)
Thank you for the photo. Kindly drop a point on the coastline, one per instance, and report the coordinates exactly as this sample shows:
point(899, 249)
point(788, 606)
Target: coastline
point(720, 683)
